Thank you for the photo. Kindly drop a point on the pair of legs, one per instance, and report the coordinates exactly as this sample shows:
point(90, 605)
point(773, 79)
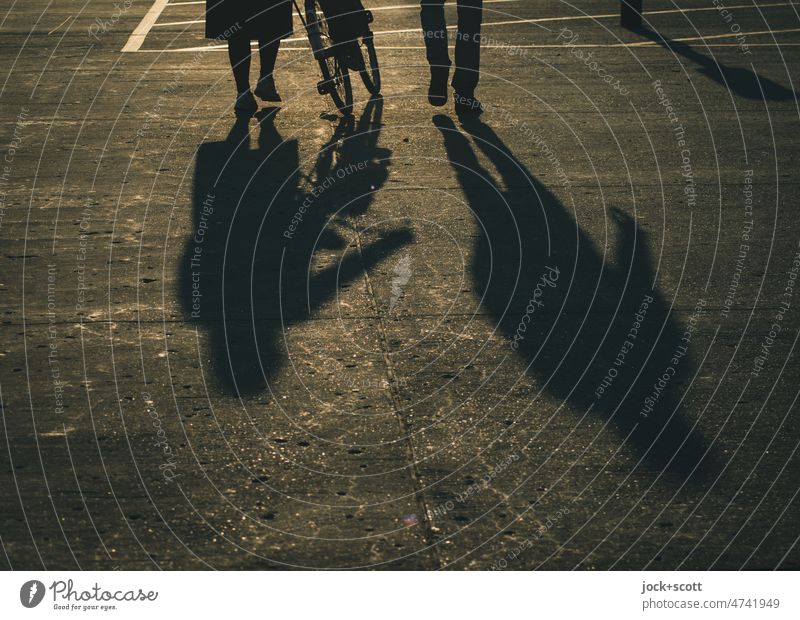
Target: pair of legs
point(468, 48)
point(239, 55)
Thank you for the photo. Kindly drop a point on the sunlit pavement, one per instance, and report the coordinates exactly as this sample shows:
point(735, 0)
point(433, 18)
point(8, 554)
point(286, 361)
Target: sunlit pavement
point(423, 356)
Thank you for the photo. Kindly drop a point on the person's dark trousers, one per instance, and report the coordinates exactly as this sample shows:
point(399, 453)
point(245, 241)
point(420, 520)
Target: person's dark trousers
point(468, 44)
point(239, 56)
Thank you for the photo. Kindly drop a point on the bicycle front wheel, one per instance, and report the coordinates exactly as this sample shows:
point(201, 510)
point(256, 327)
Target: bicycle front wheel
point(369, 71)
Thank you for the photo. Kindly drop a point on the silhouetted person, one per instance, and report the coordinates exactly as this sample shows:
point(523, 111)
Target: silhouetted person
point(242, 21)
point(571, 313)
point(468, 53)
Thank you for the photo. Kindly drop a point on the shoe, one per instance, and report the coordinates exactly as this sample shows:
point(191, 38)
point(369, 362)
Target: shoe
point(467, 105)
point(266, 91)
point(437, 91)
point(245, 103)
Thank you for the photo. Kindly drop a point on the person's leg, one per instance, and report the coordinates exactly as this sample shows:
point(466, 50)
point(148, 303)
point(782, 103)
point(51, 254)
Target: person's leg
point(268, 54)
point(468, 57)
point(434, 32)
point(239, 55)
point(468, 46)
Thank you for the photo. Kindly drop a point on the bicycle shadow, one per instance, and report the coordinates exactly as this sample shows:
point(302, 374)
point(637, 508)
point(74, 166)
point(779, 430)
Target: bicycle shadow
point(584, 309)
point(741, 82)
point(248, 270)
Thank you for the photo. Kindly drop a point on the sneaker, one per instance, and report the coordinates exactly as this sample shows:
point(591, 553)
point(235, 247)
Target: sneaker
point(245, 103)
point(266, 91)
point(437, 91)
point(467, 105)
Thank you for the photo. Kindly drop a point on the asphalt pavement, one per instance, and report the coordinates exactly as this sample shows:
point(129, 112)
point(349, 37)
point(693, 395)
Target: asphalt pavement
point(561, 335)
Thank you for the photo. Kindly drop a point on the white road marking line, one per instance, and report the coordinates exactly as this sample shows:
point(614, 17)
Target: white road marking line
point(216, 48)
point(714, 36)
point(421, 47)
point(187, 22)
point(416, 6)
point(377, 8)
point(137, 37)
point(539, 20)
point(417, 30)
point(373, 9)
point(524, 21)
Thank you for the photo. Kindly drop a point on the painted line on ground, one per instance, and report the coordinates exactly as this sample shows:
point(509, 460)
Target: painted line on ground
point(134, 45)
point(137, 37)
point(638, 44)
point(372, 9)
point(533, 20)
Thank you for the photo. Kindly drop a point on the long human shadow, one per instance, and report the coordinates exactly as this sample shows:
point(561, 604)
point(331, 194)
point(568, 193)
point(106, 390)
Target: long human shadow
point(569, 313)
point(742, 82)
point(250, 270)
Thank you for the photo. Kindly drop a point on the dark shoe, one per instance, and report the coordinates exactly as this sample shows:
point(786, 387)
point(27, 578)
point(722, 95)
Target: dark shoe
point(245, 103)
point(467, 105)
point(437, 91)
point(266, 91)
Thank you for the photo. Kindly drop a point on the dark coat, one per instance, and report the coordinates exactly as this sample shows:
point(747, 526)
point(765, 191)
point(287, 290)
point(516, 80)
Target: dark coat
point(258, 19)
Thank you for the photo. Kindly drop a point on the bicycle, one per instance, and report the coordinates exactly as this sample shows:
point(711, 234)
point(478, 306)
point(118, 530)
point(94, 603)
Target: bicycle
point(334, 28)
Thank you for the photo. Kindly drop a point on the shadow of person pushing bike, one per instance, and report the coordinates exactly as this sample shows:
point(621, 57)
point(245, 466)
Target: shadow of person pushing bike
point(569, 314)
point(248, 270)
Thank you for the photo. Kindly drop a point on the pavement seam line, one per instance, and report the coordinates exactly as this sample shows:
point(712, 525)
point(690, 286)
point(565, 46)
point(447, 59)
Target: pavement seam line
point(429, 535)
